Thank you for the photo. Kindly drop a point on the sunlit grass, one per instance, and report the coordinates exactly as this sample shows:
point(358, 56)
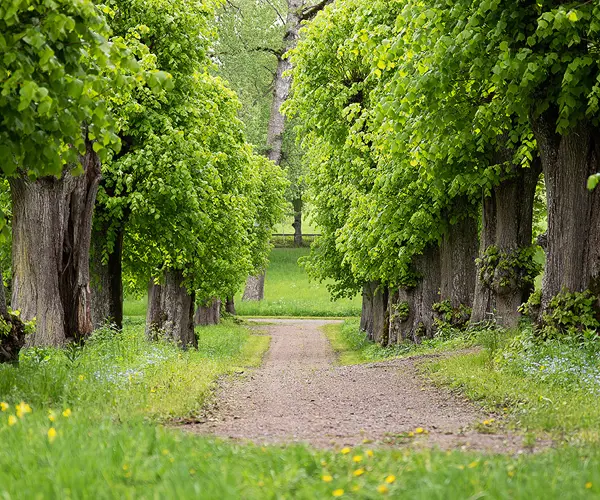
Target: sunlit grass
point(288, 292)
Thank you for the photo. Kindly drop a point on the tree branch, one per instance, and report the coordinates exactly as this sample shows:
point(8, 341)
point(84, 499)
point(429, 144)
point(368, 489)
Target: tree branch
point(276, 10)
point(310, 12)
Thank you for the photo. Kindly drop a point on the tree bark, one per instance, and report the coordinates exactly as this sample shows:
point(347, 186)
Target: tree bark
point(458, 252)
point(417, 323)
point(171, 311)
point(375, 318)
point(573, 243)
point(107, 282)
point(209, 314)
point(255, 287)
point(52, 223)
point(298, 205)
point(507, 225)
point(230, 305)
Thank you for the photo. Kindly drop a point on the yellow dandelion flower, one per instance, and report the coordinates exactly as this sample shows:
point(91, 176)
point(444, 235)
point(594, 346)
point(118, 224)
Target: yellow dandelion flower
point(357, 458)
point(382, 488)
point(486, 422)
point(390, 479)
point(474, 464)
point(369, 453)
point(411, 434)
point(588, 485)
point(337, 493)
point(4, 406)
point(12, 420)
point(419, 430)
point(51, 434)
point(345, 450)
point(67, 413)
point(51, 416)
point(82, 377)
point(327, 478)
point(22, 408)
point(125, 467)
point(165, 451)
point(359, 472)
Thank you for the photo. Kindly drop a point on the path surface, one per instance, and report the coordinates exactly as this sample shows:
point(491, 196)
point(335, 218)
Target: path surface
point(299, 394)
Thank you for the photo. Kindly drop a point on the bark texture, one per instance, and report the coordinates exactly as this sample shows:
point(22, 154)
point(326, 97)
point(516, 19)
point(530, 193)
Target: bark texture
point(230, 305)
point(255, 287)
point(458, 252)
point(507, 225)
point(418, 322)
point(375, 318)
point(573, 242)
point(107, 282)
point(298, 205)
point(171, 311)
point(209, 314)
point(52, 224)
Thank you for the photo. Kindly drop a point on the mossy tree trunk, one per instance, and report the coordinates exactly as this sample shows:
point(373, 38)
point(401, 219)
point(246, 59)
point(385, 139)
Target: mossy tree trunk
point(573, 242)
point(506, 231)
point(458, 252)
point(411, 309)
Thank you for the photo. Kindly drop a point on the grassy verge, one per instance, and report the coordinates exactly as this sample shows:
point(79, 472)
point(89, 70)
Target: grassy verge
point(89, 430)
point(352, 346)
point(288, 292)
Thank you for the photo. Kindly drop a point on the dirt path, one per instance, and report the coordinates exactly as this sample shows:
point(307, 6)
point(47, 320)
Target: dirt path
point(299, 394)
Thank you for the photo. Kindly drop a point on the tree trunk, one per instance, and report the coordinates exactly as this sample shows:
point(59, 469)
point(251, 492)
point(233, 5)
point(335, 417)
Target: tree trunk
point(573, 243)
point(255, 287)
point(52, 223)
point(484, 300)
point(230, 305)
point(209, 314)
point(107, 281)
point(458, 252)
point(366, 316)
point(507, 226)
point(298, 205)
point(375, 318)
point(171, 311)
point(411, 309)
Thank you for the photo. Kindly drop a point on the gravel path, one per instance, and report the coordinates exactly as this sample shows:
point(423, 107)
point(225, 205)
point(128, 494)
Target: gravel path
point(300, 395)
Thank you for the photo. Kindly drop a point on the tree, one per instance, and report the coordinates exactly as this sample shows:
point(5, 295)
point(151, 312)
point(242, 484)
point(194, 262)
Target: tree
point(59, 73)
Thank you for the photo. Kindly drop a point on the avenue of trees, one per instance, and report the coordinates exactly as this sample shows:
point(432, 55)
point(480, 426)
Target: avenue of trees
point(429, 127)
point(124, 160)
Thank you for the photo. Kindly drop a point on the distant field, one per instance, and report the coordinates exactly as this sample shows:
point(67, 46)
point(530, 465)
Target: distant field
point(287, 293)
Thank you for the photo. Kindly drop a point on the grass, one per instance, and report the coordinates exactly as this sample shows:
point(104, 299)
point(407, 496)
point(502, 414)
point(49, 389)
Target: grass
point(352, 346)
point(288, 292)
point(92, 433)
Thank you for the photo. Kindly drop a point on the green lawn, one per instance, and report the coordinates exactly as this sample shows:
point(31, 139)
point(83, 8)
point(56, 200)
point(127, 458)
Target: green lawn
point(288, 291)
